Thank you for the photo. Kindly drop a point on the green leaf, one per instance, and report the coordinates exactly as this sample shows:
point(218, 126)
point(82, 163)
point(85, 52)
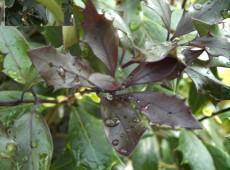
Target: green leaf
point(195, 154)
point(54, 8)
point(87, 141)
point(64, 161)
point(53, 35)
point(17, 63)
point(204, 28)
point(9, 3)
point(69, 36)
point(207, 84)
point(34, 141)
point(146, 154)
point(221, 159)
point(228, 136)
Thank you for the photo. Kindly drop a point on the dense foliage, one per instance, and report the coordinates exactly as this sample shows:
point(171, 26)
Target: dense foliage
point(154, 75)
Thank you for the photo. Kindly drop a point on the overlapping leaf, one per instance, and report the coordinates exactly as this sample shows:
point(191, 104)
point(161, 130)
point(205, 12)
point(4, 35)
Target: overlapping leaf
point(103, 82)
point(35, 146)
point(213, 45)
point(123, 125)
point(207, 84)
point(164, 110)
point(101, 36)
point(60, 71)
point(191, 55)
point(165, 69)
point(210, 12)
point(87, 141)
point(163, 9)
point(190, 144)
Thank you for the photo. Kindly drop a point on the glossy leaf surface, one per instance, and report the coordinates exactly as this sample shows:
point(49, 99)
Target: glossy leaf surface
point(87, 141)
point(207, 84)
point(101, 36)
point(35, 146)
point(163, 9)
point(213, 45)
point(190, 144)
point(123, 125)
point(58, 70)
point(165, 69)
point(17, 63)
point(172, 112)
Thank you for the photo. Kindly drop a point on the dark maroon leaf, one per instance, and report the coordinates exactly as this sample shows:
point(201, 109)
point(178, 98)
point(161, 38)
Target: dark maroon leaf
point(207, 84)
point(104, 82)
point(213, 45)
point(210, 12)
point(185, 25)
point(165, 69)
point(58, 70)
point(191, 55)
point(164, 110)
point(101, 36)
point(123, 125)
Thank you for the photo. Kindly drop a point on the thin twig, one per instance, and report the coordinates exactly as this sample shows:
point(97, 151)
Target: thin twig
point(214, 114)
point(183, 4)
point(18, 102)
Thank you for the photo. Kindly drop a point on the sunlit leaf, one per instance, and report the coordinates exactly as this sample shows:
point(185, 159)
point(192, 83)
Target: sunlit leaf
point(87, 141)
point(163, 9)
point(194, 152)
point(213, 45)
point(123, 125)
point(207, 84)
point(17, 63)
point(33, 138)
point(101, 36)
point(172, 111)
point(69, 36)
point(165, 69)
point(104, 82)
point(59, 70)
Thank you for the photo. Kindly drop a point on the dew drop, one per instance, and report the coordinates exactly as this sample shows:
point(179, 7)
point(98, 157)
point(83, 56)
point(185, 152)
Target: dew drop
point(136, 120)
point(109, 96)
point(111, 121)
point(122, 135)
point(128, 130)
point(34, 144)
point(170, 112)
point(225, 13)
point(146, 107)
point(208, 72)
point(25, 159)
point(197, 6)
point(123, 151)
point(51, 64)
point(10, 147)
point(123, 87)
point(115, 142)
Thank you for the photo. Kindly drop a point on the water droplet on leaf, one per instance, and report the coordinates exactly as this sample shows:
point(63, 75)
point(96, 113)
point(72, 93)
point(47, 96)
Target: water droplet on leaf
point(123, 151)
point(136, 120)
point(225, 13)
point(109, 96)
point(10, 147)
point(34, 144)
point(134, 25)
point(111, 121)
point(170, 112)
point(25, 159)
point(115, 142)
point(197, 6)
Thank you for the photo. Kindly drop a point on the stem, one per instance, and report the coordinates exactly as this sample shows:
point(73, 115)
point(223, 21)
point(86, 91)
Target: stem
point(18, 102)
point(183, 4)
point(168, 166)
point(214, 114)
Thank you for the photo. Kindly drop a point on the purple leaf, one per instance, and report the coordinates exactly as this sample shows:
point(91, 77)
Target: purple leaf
point(213, 45)
point(101, 36)
point(191, 55)
point(123, 125)
point(58, 70)
point(104, 82)
point(164, 110)
point(165, 69)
